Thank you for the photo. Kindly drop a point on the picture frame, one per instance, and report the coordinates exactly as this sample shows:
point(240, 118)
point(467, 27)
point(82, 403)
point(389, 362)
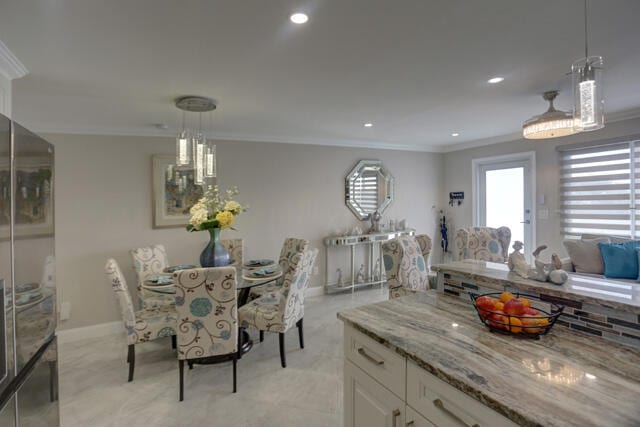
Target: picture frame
point(174, 192)
point(33, 204)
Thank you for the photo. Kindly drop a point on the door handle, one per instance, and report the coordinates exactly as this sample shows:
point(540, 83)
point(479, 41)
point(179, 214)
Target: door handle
point(525, 222)
point(369, 358)
point(395, 414)
point(440, 405)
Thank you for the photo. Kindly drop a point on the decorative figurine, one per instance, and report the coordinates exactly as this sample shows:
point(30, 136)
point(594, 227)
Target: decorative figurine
point(360, 275)
point(376, 271)
point(339, 274)
point(444, 241)
point(375, 220)
point(541, 271)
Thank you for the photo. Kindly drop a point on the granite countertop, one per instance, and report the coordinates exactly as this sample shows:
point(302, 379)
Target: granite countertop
point(616, 294)
point(566, 378)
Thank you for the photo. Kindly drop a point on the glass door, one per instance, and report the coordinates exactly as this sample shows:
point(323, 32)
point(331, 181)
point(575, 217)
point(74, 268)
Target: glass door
point(505, 197)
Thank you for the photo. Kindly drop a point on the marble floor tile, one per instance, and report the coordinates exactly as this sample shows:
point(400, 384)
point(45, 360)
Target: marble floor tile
point(94, 390)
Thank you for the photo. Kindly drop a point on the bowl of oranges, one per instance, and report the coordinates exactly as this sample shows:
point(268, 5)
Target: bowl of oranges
point(516, 314)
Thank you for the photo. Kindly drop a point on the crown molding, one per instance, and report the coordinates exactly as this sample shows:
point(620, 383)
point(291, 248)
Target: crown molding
point(10, 66)
point(345, 143)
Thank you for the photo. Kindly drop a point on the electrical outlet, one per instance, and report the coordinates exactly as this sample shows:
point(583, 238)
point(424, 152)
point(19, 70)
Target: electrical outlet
point(316, 271)
point(65, 310)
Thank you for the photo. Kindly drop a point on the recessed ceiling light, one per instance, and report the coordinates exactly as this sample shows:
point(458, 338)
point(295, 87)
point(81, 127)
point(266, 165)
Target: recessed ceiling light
point(455, 134)
point(368, 125)
point(299, 18)
point(495, 80)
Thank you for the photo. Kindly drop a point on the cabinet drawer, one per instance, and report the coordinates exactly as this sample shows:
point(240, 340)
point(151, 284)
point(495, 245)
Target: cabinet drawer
point(444, 405)
point(384, 365)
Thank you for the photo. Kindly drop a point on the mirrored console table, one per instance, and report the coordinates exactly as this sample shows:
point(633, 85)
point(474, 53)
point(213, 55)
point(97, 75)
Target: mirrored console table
point(369, 241)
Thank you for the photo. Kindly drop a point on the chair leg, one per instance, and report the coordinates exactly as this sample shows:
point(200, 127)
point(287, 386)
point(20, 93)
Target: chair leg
point(174, 342)
point(190, 363)
point(261, 336)
point(131, 358)
point(235, 378)
point(283, 357)
point(181, 366)
point(240, 342)
point(300, 333)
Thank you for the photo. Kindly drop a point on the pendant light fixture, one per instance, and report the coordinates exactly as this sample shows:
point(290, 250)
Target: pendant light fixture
point(588, 99)
point(193, 150)
point(551, 124)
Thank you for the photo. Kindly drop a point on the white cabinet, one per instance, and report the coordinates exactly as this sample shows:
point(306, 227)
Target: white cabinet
point(383, 389)
point(367, 403)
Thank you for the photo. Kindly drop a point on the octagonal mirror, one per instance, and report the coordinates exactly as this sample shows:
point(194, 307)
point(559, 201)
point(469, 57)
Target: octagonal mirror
point(368, 188)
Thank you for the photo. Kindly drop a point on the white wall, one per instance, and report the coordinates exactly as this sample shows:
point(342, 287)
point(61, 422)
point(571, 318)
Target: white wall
point(103, 205)
point(458, 177)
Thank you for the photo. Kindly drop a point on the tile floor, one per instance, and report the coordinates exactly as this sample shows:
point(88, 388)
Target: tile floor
point(94, 390)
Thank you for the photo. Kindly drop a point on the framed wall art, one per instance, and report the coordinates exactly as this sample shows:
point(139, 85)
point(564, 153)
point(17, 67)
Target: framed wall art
point(174, 192)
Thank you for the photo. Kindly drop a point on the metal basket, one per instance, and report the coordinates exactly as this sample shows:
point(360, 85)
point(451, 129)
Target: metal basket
point(526, 326)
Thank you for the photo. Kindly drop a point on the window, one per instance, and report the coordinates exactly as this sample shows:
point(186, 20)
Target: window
point(598, 189)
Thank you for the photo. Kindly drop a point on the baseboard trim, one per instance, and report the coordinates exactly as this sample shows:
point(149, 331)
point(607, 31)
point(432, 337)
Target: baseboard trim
point(93, 331)
point(316, 291)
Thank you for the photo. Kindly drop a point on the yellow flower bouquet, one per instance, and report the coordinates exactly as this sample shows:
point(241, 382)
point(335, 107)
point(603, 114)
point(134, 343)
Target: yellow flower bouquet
point(214, 211)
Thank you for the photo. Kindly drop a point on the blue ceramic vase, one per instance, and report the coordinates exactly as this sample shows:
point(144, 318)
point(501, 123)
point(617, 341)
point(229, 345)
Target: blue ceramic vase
point(215, 254)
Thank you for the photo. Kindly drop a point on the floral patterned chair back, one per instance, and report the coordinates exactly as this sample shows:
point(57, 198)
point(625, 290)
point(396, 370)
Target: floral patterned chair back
point(236, 251)
point(290, 248)
point(424, 241)
point(296, 282)
point(119, 286)
point(483, 243)
point(147, 261)
point(405, 264)
point(206, 303)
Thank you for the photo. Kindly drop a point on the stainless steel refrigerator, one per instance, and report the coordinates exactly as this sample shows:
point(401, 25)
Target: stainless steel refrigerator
point(28, 319)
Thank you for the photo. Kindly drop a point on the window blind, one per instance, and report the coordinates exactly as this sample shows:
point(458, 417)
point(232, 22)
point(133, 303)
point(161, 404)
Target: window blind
point(365, 191)
point(598, 189)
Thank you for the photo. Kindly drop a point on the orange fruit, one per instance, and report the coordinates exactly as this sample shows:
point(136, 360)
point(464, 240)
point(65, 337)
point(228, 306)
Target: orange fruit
point(530, 325)
point(498, 305)
point(525, 301)
point(512, 324)
point(506, 296)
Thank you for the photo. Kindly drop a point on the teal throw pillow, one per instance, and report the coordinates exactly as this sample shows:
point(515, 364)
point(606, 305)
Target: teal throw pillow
point(620, 259)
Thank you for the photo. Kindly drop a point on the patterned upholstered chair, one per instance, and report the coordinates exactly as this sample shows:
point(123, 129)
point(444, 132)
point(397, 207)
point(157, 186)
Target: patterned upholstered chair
point(405, 263)
point(148, 261)
point(236, 252)
point(142, 325)
point(206, 302)
point(280, 310)
point(290, 248)
point(483, 243)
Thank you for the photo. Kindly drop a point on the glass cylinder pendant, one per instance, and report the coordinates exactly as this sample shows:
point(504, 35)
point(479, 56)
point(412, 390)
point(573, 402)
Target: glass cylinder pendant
point(199, 158)
point(588, 99)
point(210, 160)
point(183, 149)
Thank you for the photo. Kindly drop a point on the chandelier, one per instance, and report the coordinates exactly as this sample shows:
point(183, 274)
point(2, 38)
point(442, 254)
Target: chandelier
point(551, 124)
point(193, 149)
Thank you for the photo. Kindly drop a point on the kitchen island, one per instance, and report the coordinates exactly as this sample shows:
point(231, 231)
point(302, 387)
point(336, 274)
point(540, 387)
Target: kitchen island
point(426, 359)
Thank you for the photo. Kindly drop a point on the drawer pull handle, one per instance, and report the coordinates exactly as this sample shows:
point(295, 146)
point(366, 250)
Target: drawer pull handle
point(364, 354)
point(395, 414)
point(409, 424)
point(440, 405)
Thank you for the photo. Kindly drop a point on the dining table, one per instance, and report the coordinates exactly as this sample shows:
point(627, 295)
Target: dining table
point(162, 284)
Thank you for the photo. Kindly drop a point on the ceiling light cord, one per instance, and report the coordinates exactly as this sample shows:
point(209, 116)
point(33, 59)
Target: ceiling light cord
point(586, 39)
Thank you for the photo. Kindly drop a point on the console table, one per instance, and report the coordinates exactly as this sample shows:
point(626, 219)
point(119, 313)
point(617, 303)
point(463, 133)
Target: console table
point(369, 241)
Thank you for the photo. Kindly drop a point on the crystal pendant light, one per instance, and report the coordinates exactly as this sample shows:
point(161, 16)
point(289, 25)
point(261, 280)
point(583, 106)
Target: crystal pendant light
point(588, 97)
point(552, 124)
point(192, 147)
point(210, 155)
